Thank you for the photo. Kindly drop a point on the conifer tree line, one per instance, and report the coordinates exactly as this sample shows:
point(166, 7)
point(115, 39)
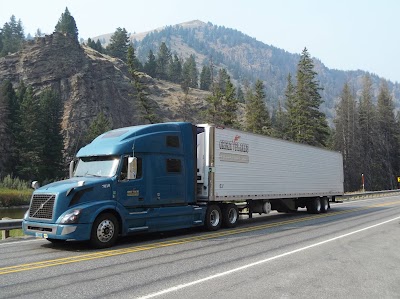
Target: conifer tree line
point(12, 34)
point(368, 136)
point(31, 143)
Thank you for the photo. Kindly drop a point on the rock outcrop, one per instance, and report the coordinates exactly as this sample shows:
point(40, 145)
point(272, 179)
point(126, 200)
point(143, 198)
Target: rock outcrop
point(88, 83)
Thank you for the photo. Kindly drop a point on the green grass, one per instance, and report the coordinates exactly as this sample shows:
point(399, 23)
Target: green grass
point(13, 197)
point(16, 233)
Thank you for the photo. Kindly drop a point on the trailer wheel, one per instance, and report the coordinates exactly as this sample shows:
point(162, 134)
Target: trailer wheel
point(314, 206)
point(324, 204)
point(104, 231)
point(230, 215)
point(213, 218)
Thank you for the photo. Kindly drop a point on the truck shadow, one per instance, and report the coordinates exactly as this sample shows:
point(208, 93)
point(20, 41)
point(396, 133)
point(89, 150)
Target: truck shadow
point(258, 224)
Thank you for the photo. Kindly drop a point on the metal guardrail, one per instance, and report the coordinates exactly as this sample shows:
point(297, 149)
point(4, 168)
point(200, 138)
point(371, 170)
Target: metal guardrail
point(7, 224)
point(367, 194)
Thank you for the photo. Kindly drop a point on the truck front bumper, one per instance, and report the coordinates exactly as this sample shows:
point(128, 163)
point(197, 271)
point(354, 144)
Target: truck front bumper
point(78, 231)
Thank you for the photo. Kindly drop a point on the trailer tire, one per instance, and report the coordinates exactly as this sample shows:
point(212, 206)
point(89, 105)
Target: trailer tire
point(104, 231)
point(230, 215)
point(213, 218)
point(314, 206)
point(324, 204)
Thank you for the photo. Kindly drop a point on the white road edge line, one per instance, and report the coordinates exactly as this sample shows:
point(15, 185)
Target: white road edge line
point(182, 286)
point(16, 242)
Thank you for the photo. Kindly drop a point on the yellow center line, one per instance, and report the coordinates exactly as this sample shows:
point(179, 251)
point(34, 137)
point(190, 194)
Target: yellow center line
point(222, 233)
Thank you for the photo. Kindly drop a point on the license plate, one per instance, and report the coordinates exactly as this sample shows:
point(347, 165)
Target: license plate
point(41, 235)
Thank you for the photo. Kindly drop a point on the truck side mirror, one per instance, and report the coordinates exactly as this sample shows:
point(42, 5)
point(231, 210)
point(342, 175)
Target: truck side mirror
point(132, 168)
point(35, 185)
point(71, 168)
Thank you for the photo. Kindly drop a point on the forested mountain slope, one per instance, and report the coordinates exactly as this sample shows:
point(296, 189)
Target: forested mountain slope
point(248, 59)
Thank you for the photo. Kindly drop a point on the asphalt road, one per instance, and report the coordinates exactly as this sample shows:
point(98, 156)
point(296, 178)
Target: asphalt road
point(353, 251)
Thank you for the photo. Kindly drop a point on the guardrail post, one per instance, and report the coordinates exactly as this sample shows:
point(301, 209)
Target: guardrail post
point(5, 233)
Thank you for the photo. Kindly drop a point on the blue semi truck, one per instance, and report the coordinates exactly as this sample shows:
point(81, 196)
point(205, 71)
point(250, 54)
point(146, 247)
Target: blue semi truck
point(177, 175)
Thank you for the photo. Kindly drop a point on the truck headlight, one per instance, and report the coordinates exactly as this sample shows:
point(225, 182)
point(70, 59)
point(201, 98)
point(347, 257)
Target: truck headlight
point(72, 217)
point(26, 214)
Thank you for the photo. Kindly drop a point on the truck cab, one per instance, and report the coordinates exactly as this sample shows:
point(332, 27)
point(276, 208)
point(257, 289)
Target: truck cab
point(134, 179)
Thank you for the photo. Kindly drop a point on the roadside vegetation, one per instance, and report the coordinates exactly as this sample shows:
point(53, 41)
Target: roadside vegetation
point(14, 192)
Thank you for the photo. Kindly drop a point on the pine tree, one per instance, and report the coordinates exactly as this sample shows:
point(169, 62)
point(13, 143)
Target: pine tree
point(368, 135)
point(240, 95)
point(91, 43)
point(12, 37)
point(222, 78)
point(388, 138)
point(66, 24)
point(53, 142)
point(257, 117)
point(214, 112)
point(175, 69)
point(185, 108)
point(10, 120)
point(163, 59)
point(292, 109)
point(308, 123)
point(99, 47)
point(132, 60)
point(205, 78)
point(346, 138)
point(280, 123)
point(30, 139)
point(7, 97)
point(189, 73)
point(222, 106)
point(119, 43)
point(99, 125)
point(230, 105)
point(150, 67)
point(147, 107)
point(38, 33)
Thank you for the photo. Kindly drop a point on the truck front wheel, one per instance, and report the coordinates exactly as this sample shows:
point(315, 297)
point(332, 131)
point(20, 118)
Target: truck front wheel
point(104, 231)
point(213, 218)
point(230, 215)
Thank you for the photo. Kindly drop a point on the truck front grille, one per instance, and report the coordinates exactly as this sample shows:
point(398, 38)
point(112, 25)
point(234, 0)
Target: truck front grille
point(42, 206)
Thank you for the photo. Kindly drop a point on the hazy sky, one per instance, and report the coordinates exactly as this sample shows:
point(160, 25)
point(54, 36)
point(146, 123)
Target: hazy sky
point(343, 34)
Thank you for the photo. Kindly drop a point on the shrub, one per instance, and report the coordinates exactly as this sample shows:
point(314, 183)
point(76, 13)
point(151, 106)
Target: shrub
point(10, 182)
point(13, 197)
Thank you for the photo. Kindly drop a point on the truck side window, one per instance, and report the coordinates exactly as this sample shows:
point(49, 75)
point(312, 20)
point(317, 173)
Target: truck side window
point(172, 141)
point(174, 166)
point(124, 169)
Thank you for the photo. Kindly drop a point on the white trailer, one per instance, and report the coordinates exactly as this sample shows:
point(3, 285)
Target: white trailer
point(265, 173)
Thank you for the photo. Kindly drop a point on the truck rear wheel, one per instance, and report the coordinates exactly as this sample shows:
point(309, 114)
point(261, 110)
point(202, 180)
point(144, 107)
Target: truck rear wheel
point(230, 215)
point(324, 204)
point(213, 218)
point(104, 231)
point(314, 206)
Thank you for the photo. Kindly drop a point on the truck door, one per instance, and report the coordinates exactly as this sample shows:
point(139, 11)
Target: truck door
point(132, 194)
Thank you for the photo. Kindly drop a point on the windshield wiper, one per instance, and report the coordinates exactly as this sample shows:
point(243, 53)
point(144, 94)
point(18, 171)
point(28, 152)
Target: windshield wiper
point(95, 175)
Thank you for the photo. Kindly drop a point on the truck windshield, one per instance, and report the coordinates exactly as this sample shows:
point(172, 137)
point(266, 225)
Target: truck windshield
point(99, 166)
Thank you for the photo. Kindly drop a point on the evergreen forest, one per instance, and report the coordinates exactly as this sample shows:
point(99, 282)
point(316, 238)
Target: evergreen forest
point(365, 129)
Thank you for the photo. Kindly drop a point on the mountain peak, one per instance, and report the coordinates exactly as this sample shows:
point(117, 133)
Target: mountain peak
point(192, 24)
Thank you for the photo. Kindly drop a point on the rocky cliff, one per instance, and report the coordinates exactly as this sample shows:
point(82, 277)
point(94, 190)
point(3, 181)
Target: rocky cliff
point(88, 83)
